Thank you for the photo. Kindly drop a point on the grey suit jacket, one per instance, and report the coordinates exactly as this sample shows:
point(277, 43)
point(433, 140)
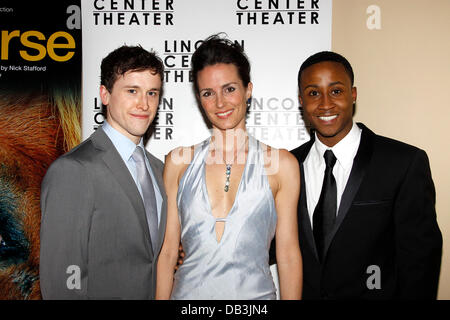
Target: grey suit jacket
point(94, 222)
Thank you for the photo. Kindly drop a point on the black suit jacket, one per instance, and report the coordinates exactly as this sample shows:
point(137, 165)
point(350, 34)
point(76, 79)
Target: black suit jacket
point(386, 231)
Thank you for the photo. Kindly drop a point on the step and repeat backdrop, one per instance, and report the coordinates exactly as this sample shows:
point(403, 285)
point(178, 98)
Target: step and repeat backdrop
point(276, 35)
point(50, 77)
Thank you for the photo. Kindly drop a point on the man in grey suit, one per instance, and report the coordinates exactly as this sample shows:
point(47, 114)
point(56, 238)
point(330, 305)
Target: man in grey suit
point(103, 203)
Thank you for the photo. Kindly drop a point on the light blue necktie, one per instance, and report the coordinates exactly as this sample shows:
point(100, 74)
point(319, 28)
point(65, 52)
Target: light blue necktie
point(148, 195)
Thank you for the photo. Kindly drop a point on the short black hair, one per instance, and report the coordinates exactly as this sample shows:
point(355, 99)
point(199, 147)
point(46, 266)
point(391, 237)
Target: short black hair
point(129, 58)
point(326, 56)
point(216, 49)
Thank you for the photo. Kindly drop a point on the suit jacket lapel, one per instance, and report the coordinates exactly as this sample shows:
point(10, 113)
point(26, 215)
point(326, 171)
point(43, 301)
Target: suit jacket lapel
point(305, 225)
point(303, 216)
point(120, 172)
point(163, 217)
point(360, 164)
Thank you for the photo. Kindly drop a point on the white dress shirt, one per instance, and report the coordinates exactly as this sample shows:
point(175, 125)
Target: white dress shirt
point(126, 147)
point(314, 167)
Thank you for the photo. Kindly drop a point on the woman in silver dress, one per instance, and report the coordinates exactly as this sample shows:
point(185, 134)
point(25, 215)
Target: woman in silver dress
point(229, 196)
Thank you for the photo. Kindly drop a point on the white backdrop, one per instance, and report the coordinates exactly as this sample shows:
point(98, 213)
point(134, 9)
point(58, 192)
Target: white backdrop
point(277, 36)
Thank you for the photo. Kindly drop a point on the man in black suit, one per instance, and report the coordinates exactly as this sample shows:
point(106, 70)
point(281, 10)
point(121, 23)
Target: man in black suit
point(367, 220)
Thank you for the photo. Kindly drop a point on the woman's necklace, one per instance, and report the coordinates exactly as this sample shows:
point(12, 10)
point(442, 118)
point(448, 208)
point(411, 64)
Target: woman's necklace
point(228, 166)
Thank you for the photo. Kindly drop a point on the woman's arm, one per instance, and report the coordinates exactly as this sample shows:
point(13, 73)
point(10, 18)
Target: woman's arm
point(169, 252)
point(289, 259)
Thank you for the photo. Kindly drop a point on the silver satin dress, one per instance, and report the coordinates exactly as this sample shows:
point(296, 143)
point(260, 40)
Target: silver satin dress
point(236, 267)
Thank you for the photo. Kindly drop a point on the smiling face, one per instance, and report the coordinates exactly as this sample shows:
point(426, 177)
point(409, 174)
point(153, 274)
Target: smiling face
point(132, 103)
point(327, 97)
point(223, 96)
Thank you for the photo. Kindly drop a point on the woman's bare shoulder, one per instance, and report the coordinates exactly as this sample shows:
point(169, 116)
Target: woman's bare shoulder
point(278, 159)
point(177, 161)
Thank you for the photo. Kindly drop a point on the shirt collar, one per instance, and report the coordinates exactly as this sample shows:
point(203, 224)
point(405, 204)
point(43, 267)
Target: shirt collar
point(124, 145)
point(345, 150)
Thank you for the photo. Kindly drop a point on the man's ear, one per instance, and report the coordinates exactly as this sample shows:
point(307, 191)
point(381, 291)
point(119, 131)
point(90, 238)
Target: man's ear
point(354, 94)
point(104, 95)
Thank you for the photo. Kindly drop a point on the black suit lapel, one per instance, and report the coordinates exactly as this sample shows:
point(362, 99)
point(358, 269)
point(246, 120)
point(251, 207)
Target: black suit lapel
point(360, 164)
point(120, 172)
point(303, 216)
point(304, 220)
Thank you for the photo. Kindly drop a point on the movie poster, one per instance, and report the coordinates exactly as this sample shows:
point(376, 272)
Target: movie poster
point(40, 110)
